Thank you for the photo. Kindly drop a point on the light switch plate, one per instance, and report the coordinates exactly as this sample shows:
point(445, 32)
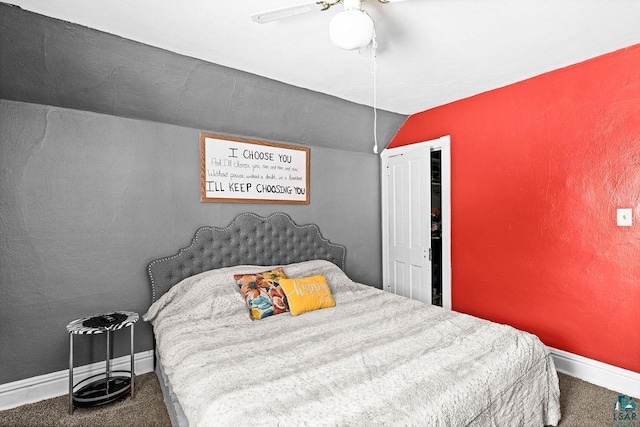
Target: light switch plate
point(625, 217)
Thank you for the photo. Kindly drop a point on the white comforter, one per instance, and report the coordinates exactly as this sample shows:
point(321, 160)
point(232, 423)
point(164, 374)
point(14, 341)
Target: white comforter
point(375, 358)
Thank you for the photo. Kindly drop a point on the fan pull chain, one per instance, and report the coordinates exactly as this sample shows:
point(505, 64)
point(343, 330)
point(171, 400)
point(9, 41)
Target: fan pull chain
point(374, 69)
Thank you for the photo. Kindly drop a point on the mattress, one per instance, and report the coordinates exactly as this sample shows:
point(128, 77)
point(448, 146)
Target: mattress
point(374, 358)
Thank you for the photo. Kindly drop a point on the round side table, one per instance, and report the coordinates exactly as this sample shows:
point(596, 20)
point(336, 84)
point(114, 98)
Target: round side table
point(110, 385)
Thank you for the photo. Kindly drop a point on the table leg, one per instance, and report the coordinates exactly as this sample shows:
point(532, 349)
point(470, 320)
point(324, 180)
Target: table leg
point(70, 373)
point(132, 363)
point(107, 359)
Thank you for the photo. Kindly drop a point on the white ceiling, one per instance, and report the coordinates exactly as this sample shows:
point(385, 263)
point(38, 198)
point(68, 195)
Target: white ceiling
point(431, 52)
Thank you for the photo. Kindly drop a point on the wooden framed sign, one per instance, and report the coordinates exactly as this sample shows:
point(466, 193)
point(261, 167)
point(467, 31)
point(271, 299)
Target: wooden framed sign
point(244, 171)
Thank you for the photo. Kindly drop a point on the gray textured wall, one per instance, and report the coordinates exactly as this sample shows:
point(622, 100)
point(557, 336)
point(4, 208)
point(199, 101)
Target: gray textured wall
point(88, 199)
point(51, 62)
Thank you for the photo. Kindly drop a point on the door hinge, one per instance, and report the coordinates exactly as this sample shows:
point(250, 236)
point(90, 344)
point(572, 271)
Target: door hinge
point(429, 254)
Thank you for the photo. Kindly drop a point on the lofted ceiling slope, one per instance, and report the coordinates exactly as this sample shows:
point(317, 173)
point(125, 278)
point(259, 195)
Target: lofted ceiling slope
point(431, 52)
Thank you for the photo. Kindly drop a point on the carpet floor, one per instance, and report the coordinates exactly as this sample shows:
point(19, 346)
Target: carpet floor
point(582, 405)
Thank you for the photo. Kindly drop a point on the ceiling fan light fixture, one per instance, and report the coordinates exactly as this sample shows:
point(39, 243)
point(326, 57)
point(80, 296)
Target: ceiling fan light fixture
point(351, 29)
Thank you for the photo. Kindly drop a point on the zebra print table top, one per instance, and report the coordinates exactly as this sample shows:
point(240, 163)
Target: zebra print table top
point(78, 327)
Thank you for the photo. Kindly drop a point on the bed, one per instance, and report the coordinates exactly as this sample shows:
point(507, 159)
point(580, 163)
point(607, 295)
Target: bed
point(372, 359)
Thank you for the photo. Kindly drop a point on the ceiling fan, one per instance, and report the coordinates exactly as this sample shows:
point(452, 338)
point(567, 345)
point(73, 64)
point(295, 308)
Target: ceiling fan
point(350, 29)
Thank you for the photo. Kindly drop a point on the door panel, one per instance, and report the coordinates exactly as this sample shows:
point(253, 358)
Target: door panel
point(406, 193)
point(418, 289)
point(409, 189)
point(399, 283)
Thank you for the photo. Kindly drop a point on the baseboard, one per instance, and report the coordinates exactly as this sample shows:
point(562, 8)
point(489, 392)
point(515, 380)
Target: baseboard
point(56, 384)
point(598, 373)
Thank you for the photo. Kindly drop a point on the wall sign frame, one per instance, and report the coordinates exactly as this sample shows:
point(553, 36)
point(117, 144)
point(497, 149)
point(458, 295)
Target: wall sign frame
point(239, 170)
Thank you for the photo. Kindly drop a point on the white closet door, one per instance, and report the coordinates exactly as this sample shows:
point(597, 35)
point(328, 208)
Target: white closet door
point(408, 186)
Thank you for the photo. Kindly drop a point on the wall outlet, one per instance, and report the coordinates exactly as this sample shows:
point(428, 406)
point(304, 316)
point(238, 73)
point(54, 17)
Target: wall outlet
point(625, 217)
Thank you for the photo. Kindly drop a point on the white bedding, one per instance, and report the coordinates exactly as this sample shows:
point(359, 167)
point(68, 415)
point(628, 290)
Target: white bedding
point(375, 358)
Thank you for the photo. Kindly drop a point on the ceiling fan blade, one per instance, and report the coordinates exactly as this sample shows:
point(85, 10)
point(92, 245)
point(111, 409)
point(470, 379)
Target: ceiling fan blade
point(285, 12)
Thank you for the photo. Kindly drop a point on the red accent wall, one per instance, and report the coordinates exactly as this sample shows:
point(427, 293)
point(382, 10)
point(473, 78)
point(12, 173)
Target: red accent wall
point(538, 170)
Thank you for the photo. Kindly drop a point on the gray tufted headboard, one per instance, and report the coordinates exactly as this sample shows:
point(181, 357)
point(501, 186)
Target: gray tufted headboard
point(249, 239)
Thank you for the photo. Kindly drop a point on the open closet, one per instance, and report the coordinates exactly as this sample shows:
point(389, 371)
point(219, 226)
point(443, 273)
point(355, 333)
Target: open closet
point(436, 229)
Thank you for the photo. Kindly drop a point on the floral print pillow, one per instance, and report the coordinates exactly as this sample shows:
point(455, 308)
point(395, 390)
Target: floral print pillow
point(262, 293)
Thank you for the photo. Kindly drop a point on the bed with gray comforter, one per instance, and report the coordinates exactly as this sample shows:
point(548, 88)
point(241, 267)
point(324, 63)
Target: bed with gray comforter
point(373, 359)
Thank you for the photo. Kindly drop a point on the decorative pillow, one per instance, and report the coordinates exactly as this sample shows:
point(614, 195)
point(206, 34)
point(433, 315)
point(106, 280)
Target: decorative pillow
point(307, 294)
point(262, 293)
